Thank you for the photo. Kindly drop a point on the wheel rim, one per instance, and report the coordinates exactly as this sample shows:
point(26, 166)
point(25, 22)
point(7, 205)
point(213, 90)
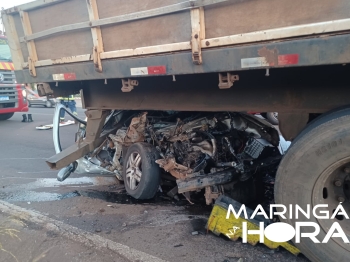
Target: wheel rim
point(133, 170)
point(333, 187)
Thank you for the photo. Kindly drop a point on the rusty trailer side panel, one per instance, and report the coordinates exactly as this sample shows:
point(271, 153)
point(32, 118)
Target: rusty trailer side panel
point(299, 52)
point(49, 33)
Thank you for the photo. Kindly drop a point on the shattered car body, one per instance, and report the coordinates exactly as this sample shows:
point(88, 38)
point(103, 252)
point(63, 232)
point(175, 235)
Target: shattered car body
point(200, 150)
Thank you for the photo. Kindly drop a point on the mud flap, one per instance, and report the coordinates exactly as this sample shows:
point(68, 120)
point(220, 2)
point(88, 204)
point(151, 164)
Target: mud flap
point(232, 227)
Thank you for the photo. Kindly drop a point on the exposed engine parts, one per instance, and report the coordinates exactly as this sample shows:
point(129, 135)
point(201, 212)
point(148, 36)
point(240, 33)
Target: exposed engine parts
point(200, 150)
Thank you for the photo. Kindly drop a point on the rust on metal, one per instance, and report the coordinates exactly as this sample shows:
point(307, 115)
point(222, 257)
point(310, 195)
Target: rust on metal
point(227, 80)
point(175, 169)
point(136, 130)
point(68, 59)
point(212, 193)
point(93, 139)
point(271, 55)
point(135, 133)
point(199, 182)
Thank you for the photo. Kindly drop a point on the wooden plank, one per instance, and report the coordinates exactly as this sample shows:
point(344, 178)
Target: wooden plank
point(242, 16)
point(20, 32)
point(13, 40)
point(273, 34)
point(33, 57)
point(124, 18)
point(155, 31)
point(197, 26)
point(202, 23)
point(63, 60)
point(56, 30)
point(157, 11)
point(32, 5)
point(325, 50)
point(71, 44)
point(279, 33)
point(147, 50)
point(96, 35)
point(65, 13)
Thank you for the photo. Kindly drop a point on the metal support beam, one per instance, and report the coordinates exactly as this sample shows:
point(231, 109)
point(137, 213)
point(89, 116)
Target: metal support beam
point(198, 34)
point(33, 57)
point(96, 120)
point(96, 35)
point(254, 92)
point(195, 183)
point(93, 139)
point(13, 40)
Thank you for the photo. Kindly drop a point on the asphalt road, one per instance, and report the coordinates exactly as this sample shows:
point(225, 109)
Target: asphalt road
point(89, 218)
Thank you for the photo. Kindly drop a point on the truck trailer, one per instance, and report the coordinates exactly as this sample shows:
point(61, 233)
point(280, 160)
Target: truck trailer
point(166, 86)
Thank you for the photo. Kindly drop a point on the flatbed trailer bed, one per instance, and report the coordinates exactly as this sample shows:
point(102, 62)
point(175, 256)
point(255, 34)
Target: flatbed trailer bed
point(222, 56)
point(102, 39)
point(311, 51)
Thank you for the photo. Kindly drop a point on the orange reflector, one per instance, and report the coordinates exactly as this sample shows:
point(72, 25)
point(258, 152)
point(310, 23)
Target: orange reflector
point(6, 66)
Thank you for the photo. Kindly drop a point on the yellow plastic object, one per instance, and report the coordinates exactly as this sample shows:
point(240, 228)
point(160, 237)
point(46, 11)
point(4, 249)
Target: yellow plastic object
point(232, 227)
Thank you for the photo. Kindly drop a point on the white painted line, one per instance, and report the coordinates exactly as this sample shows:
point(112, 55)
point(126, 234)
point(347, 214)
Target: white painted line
point(76, 234)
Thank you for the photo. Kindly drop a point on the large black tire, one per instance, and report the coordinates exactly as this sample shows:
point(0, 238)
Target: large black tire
point(6, 116)
point(148, 185)
point(322, 144)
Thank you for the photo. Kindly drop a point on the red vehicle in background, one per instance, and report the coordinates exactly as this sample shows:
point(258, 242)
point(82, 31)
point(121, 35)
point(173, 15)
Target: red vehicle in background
point(13, 97)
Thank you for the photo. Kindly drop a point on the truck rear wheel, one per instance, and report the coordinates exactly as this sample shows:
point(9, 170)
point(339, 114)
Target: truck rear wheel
point(316, 170)
point(6, 116)
point(141, 173)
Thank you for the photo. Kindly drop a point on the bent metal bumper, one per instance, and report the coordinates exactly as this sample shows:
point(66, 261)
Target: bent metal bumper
point(72, 159)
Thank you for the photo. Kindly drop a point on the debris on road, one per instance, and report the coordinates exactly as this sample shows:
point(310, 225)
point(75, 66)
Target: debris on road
point(50, 126)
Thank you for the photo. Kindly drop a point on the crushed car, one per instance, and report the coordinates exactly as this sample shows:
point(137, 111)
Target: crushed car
point(211, 152)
